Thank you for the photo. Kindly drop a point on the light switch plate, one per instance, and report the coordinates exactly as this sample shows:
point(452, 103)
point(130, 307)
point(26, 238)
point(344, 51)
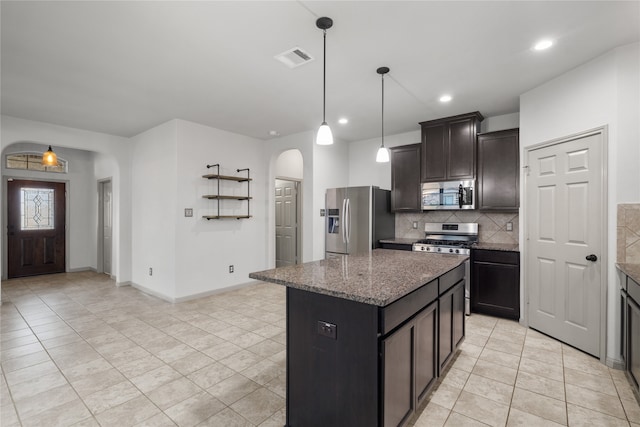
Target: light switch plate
point(188, 212)
point(322, 212)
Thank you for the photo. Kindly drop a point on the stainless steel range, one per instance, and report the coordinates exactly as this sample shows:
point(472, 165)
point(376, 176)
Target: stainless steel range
point(448, 238)
point(454, 239)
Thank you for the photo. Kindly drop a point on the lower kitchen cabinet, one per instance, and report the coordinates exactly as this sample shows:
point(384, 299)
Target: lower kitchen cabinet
point(410, 366)
point(451, 323)
point(495, 283)
point(631, 328)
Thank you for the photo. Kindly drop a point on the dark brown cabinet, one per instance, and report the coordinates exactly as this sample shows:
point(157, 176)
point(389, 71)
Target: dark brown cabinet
point(449, 147)
point(409, 356)
point(451, 323)
point(495, 283)
point(498, 171)
point(631, 331)
point(405, 178)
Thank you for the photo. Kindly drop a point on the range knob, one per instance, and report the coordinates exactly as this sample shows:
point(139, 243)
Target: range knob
point(457, 251)
point(450, 250)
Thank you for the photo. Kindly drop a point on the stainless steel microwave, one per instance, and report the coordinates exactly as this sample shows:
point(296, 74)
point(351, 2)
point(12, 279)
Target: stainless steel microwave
point(450, 195)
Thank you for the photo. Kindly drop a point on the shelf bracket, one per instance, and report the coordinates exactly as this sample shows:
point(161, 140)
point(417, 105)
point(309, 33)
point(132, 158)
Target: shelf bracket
point(248, 189)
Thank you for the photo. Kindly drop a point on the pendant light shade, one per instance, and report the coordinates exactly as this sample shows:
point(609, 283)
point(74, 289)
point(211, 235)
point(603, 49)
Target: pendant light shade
point(49, 158)
point(383, 155)
point(324, 137)
point(383, 152)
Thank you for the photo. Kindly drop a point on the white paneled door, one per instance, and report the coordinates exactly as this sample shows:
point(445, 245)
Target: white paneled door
point(286, 223)
point(564, 240)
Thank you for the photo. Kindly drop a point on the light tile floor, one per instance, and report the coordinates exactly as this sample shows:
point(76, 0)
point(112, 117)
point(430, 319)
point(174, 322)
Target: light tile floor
point(76, 350)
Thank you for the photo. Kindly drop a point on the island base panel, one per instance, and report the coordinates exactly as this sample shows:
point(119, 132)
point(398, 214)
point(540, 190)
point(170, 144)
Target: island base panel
point(331, 381)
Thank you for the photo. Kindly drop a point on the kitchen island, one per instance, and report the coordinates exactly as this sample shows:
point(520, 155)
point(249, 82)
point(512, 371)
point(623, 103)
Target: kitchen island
point(368, 335)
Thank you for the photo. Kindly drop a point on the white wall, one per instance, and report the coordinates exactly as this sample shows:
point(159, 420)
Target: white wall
point(505, 121)
point(363, 168)
point(114, 148)
point(206, 248)
point(289, 164)
point(601, 92)
point(153, 209)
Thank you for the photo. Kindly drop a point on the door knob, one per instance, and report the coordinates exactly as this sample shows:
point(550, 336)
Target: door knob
point(592, 257)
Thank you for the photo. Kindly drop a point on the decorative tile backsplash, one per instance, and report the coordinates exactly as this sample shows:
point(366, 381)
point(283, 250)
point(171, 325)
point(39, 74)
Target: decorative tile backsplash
point(628, 233)
point(492, 227)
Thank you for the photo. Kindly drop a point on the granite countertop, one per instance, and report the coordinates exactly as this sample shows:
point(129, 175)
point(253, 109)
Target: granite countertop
point(378, 278)
point(507, 247)
point(631, 270)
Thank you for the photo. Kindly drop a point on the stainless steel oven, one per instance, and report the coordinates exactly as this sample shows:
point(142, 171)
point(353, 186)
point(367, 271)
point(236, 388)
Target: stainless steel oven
point(451, 239)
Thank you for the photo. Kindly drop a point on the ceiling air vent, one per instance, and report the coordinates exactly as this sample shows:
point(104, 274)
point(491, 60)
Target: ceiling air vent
point(295, 57)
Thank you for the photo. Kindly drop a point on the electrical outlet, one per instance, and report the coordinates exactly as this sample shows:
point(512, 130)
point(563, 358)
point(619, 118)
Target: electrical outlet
point(509, 226)
point(415, 225)
point(328, 330)
point(150, 271)
point(231, 268)
point(188, 212)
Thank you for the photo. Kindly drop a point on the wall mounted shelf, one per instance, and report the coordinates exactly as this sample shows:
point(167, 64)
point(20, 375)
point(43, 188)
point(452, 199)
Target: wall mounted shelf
point(220, 197)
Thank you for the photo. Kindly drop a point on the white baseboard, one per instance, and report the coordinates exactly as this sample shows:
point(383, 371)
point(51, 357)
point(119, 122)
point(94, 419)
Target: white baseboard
point(188, 297)
point(152, 292)
point(119, 284)
point(615, 364)
point(79, 269)
point(214, 292)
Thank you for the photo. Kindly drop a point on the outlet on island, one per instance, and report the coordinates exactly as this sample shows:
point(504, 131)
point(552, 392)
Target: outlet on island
point(231, 268)
point(150, 271)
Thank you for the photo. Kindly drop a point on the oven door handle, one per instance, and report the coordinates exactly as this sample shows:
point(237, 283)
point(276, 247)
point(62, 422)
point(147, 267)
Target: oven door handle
point(460, 196)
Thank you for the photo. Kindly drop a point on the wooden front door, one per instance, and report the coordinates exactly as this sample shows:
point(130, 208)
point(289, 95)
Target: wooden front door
point(35, 227)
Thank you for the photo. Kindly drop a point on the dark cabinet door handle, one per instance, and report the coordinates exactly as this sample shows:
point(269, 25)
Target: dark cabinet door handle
point(592, 257)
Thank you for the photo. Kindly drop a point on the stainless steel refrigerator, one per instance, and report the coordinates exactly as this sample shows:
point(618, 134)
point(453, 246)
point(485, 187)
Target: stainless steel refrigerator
point(356, 219)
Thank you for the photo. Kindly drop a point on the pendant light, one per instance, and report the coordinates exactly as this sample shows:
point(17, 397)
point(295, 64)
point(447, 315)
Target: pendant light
point(324, 137)
point(49, 158)
point(383, 152)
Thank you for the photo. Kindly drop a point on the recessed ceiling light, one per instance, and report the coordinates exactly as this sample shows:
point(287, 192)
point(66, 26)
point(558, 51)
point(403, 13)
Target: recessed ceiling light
point(543, 44)
point(343, 120)
point(445, 98)
point(274, 133)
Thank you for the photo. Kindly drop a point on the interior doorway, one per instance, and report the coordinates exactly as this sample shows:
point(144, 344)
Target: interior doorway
point(105, 226)
point(288, 208)
point(566, 240)
point(36, 212)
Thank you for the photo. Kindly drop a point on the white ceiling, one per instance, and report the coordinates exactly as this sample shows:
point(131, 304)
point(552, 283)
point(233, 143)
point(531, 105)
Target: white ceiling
point(124, 67)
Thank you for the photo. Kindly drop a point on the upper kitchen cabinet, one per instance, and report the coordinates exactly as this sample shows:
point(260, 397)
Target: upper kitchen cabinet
point(498, 171)
point(449, 147)
point(405, 178)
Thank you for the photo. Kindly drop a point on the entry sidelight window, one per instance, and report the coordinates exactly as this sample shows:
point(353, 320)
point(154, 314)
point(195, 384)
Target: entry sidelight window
point(37, 208)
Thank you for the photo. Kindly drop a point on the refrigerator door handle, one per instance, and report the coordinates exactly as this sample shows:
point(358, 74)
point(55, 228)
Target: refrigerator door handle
point(344, 221)
point(348, 224)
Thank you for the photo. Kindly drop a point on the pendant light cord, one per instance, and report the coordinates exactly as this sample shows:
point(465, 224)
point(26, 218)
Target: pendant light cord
point(382, 75)
point(324, 77)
